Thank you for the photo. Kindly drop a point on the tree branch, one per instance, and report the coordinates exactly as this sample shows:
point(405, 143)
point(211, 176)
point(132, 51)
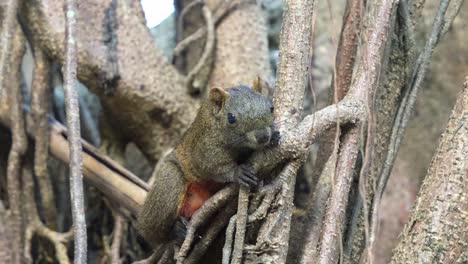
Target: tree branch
point(116, 182)
point(119, 221)
point(293, 61)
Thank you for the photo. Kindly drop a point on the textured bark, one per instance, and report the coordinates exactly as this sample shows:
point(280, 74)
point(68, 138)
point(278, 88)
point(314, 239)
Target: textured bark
point(241, 47)
point(241, 52)
point(288, 101)
point(117, 60)
point(18, 147)
point(39, 107)
point(396, 67)
point(118, 184)
point(5, 256)
point(74, 133)
point(8, 26)
point(437, 231)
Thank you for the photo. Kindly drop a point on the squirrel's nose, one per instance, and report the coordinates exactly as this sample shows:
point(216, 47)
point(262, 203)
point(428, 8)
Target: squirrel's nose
point(275, 138)
point(263, 136)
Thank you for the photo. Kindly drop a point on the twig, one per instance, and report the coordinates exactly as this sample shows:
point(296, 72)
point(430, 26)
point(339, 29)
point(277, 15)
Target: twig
point(241, 225)
point(225, 8)
point(209, 208)
point(183, 13)
point(40, 105)
point(268, 195)
point(227, 249)
point(8, 29)
point(264, 206)
point(165, 256)
point(116, 241)
point(19, 143)
point(451, 14)
point(158, 254)
point(59, 240)
point(73, 124)
point(218, 224)
point(196, 83)
point(403, 115)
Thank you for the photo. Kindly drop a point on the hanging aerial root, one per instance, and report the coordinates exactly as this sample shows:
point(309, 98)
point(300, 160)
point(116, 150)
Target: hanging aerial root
point(73, 125)
point(7, 33)
point(19, 143)
point(40, 93)
point(195, 82)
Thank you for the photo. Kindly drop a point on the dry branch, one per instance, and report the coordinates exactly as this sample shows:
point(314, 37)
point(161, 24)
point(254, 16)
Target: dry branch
point(119, 222)
point(117, 183)
point(35, 226)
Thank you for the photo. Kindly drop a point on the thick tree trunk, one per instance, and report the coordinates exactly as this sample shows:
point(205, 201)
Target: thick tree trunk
point(438, 229)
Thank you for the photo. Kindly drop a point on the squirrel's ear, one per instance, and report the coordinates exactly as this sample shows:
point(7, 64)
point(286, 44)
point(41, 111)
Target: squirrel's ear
point(218, 96)
point(257, 84)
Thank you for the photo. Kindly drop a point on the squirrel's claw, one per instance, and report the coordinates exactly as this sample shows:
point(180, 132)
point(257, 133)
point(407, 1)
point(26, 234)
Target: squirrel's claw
point(247, 176)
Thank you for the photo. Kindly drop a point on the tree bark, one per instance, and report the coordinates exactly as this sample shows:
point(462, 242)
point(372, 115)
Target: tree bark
point(438, 231)
point(143, 93)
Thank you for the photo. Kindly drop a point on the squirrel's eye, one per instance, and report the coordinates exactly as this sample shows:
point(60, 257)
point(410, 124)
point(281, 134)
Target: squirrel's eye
point(231, 118)
point(271, 109)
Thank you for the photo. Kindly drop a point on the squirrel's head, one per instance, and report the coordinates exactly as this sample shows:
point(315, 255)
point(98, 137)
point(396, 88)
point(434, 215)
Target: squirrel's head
point(243, 116)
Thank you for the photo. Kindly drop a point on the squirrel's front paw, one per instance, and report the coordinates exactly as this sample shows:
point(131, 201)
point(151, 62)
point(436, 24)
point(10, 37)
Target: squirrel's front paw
point(247, 176)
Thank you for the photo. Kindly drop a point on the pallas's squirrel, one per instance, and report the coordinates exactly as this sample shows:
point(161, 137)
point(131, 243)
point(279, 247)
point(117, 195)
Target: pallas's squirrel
point(230, 126)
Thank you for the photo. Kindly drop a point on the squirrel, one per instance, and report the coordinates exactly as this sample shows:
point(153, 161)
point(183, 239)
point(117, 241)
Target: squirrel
point(231, 124)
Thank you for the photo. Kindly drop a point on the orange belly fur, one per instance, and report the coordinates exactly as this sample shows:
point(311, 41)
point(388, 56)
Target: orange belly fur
point(195, 196)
